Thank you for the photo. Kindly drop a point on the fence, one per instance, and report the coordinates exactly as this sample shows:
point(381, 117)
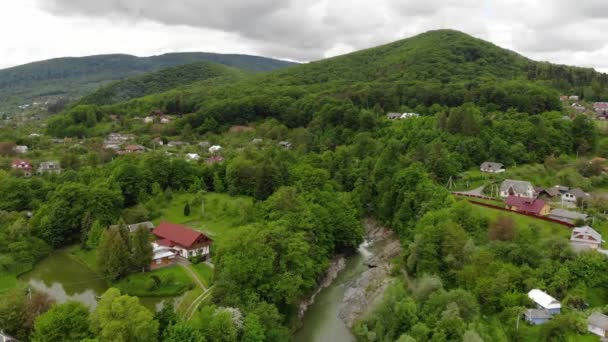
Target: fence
point(569, 225)
point(464, 194)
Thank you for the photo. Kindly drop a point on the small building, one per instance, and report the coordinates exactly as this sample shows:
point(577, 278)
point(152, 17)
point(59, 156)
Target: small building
point(285, 144)
point(393, 116)
point(162, 256)
point(215, 149)
point(597, 324)
point(134, 149)
point(600, 107)
point(20, 149)
point(545, 301)
point(23, 166)
point(256, 141)
point(165, 120)
point(537, 316)
point(192, 157)
point(563, 98)
point(584, 238)
point(578, 107)
point(149, 119)
point(49, 167)
point(532, 206)
point(549, 192)
point(573, 98)
point(204, 144)
point(184, 241)
point(409, 115)
point(573, 195)
point(517, 188)
point(215, 159)
point(133, 227)
point(567, 216)
point(492, 167)
point(176, 143)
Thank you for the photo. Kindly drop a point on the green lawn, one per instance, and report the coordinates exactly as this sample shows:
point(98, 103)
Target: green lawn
point(204, 272)
point(217, 214)
point(173, 282)
point(8, 278)
point(86, 257)
point(546, 229)
point(187, 299)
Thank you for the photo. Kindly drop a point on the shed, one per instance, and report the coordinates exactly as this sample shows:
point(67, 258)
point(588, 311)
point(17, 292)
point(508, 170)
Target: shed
point(492, 167)
point(568, 216)
point(544, 301)
point(393, 116)
point(147, 224)
point(597, 324)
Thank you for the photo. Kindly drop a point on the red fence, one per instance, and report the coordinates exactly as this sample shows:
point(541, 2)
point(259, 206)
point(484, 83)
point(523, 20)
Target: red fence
point(569, 225)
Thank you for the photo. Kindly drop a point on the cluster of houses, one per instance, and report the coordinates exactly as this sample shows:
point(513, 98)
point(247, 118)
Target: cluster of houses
point(119, 142)
point(547, 307)
point(397, 116)
point(569, 98)
point(25, 167)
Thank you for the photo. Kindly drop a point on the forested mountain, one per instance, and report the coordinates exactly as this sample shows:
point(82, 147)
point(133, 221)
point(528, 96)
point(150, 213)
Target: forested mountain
point(441, 68)
point(163, 80)
point(74, 77)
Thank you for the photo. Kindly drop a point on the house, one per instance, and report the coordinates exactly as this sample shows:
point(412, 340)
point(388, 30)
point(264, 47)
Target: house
point(133, 227)
point(215, 149)
point(162, 256)
point(517, 188)
point(35, 135)
point(583, 238)
point(600, 107)
point(409, 115)
point(578, 107)
point(256, 141)
point(537, 316)
point(184, 241)
point(573, 98)
point(533, 206)
point(134, 149)
point(158, 141)
point(492, 167)
point(567, 215)
point(215, 159)
point(204, 144)
point(22, 165)
point(393, 116)
point(165, 120)
point(49, 167)
point(597, 324)
point(563, 98)
point(20, 149)
point(285, 144)
point(192, 157)
point(176, 143)
point(545, 301)
point(573, 195)
point(548, 192)
point(149, 119)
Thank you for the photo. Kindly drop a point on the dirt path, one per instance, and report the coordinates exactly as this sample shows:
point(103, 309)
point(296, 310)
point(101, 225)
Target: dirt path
point(193, 276)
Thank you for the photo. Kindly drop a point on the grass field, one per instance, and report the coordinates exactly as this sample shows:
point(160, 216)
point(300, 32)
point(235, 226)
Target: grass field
point(173, 282)
point(187, 299)
point(217, 214)
point(204, 272)
point(87, 257)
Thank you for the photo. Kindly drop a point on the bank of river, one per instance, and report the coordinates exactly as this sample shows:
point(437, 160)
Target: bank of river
point(355, 290)
point(64, 278)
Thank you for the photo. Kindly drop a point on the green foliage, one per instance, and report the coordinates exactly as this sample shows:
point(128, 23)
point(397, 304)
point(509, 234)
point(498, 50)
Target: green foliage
point(141, 248)
point(187, 209)
point(183, 332)
point(113, 255)
point(121, 318)
point(64, 322)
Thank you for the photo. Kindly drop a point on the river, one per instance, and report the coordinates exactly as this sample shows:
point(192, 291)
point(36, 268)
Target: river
point(321, 322)
point(63, 278)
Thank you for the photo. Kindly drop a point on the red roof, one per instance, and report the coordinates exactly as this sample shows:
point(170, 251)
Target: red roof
point(165, 242)
point(215, 159)
point(600, 105)
point(526, 205)
point(178, 235)
point(21, 164)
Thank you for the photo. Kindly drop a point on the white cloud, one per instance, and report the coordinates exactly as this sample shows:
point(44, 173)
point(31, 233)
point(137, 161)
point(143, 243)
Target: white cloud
point(560, 32)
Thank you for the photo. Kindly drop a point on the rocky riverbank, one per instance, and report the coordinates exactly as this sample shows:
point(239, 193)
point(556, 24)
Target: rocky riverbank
point(364, 291)
point(336, 265)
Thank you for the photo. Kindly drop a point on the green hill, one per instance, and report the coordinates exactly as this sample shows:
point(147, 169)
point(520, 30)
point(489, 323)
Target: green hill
point(437, 68)
point(161, 81)
point(75, 77)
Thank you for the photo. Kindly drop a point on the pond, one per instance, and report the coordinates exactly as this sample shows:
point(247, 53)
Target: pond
point(64, 278)
point(321, 322)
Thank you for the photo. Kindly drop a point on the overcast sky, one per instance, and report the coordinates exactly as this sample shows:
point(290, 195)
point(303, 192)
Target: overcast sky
point(560, 31)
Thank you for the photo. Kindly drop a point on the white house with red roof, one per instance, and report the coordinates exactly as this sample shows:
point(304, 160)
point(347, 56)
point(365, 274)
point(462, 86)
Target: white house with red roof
point(174, 240)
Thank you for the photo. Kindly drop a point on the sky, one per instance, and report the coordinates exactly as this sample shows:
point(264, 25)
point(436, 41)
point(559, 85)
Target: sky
point(559, 31)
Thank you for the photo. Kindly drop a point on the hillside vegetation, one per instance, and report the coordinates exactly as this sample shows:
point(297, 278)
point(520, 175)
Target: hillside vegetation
point(74, 77)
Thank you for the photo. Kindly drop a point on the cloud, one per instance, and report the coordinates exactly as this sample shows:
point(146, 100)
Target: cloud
point(304, 30)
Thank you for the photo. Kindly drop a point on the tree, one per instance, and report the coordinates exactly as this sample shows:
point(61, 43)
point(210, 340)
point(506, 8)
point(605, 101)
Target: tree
point(187, 209)
point(503, 229)
point(218, 183)
point(64, 322)
point(121, 318)
point(183, 332)
point(166, 317)
point(141, 250)
point(95, 234)
point(18, 311)
point(113, 255)
point(253, 331)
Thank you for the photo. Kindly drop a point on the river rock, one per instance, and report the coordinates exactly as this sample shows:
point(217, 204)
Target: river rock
point(336, 265)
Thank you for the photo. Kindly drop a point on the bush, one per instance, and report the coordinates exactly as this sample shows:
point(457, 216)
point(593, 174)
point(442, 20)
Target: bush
point(150, 284)
point(195, 259)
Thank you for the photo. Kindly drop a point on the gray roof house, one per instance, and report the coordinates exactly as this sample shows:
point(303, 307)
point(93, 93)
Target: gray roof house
point(567, 215)
point(394, 116)
point(285, 144)
point(517, 188)
point(573, 195)
point(147, 224)
point(585, 238)
point(492, 167)
point(49, 167)
point(597, 324)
